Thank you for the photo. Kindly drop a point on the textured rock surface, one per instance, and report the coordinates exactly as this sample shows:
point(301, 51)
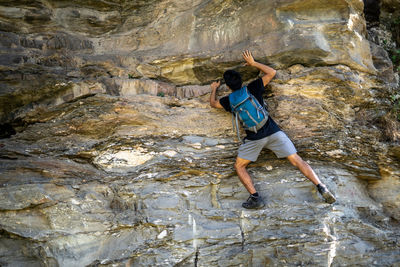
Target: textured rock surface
point(118, 160)
point(45, 43)
point(113, 181)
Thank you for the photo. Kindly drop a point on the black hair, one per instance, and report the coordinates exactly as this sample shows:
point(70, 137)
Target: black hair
point(233, 79)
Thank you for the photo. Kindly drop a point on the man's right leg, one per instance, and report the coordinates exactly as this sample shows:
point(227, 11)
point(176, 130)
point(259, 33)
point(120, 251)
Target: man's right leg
point(308, 172)
point(283, 147)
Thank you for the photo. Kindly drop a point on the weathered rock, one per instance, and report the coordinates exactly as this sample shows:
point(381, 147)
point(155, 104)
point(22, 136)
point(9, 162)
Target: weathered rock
point(116, 159)
point(162, 193)
point(391, 4)
point(185, 43)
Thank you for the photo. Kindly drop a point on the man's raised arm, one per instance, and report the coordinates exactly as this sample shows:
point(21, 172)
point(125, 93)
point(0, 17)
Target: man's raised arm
point(269, 72)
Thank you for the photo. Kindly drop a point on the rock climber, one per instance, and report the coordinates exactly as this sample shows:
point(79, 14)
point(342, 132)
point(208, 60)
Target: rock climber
point(269, 136)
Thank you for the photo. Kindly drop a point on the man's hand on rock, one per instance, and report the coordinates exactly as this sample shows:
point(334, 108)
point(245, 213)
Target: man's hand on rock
point(249, 58)
point(215, 85)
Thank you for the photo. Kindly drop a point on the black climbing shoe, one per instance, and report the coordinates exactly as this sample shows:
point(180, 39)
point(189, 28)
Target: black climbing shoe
point(329, 198)
point(253, 203)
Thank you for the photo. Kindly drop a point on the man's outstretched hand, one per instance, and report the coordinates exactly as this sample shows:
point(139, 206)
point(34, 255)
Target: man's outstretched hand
point(249, 58)
point(213, 100)
point(269, 72)
point(215, 85)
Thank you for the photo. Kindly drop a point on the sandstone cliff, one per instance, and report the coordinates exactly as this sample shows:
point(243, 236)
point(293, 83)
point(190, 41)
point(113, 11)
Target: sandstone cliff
point(111, 155)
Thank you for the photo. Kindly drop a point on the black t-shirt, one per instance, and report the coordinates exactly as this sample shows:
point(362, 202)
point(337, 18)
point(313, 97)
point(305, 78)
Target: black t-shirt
point(257, 89)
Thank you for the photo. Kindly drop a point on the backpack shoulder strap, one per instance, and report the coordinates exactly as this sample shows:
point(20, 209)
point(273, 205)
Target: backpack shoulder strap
point(237, 98)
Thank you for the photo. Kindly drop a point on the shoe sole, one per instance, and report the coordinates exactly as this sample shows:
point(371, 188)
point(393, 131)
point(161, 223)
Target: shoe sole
point(329, 198)
point(254, 208)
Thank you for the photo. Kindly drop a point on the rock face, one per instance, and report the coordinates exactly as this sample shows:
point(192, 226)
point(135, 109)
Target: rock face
point(46, 43)
point(113, 157)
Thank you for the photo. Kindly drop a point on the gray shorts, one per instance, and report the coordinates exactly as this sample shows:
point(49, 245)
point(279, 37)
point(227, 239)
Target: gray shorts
point(278, 142)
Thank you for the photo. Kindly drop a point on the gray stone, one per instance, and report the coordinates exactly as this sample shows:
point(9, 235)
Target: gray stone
point(114, 157)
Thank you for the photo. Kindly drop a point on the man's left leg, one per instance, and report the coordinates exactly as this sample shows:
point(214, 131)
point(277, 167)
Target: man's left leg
point(254, 201)
point(308, 172)
point(244, 176)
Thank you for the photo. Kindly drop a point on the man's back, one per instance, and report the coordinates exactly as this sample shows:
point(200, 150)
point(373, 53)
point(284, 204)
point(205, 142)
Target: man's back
point(257, 89)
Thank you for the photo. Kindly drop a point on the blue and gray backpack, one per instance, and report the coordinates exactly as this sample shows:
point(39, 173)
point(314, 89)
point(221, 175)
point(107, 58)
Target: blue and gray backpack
point(248, 110)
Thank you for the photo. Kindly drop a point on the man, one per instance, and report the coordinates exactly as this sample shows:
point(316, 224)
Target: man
point(270, 135)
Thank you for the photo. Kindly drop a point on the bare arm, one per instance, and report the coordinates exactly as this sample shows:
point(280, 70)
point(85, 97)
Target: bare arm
point(269, 72)
point(213, 101)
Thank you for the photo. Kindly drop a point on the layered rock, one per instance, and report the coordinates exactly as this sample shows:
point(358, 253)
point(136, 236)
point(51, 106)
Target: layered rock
point(190, 42)
point(111, 181)
point(118, 160)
